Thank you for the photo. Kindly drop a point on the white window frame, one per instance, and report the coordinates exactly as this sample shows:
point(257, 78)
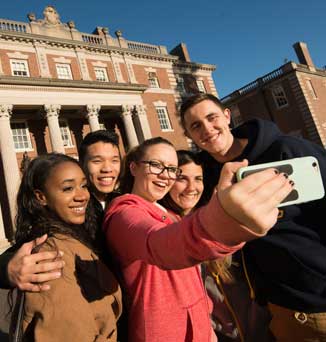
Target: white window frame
point(97, 71)
point(279, 96)
point(63, 66)
point(21, 135)
point(65, 134)
point(163, 118)
point(201, 86)
point(153, 80)
point(22, 71)
point(181, 85)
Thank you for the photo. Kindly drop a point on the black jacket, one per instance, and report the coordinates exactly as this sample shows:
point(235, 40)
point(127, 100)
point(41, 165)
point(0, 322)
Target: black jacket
point(288, 265)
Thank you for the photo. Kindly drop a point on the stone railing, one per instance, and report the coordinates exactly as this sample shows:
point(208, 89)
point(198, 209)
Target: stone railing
point(255, 84)
point(21, 27)
point(272, 75)
point(143, 47)
point(248, 87)
point(92, 39)
point(15, 26)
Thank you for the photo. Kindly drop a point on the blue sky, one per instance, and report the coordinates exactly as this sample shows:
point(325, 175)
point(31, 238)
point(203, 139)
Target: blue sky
point(244, 39)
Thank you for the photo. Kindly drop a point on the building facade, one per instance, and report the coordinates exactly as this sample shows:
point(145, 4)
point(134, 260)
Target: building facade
point(293, 96)
point(57, 84)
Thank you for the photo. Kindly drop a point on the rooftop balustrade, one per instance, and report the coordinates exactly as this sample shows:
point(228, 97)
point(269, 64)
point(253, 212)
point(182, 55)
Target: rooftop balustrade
point(95, 39)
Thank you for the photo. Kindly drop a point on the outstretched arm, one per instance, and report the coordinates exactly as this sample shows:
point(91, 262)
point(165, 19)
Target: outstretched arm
point(29, 271)
point(235, 214)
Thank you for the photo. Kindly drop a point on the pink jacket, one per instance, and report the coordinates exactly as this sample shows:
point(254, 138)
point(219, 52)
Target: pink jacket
point(166, 298)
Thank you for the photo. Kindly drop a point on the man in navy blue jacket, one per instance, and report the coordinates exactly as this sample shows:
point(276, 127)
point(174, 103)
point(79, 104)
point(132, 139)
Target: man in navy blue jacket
point(288, 265)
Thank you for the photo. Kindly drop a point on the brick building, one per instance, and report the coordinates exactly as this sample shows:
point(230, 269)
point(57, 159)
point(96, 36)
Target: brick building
point(57, 84)
point(293, 96)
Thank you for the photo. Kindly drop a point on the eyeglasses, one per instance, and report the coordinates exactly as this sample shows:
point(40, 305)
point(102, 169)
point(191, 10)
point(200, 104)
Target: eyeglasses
point(156, 168)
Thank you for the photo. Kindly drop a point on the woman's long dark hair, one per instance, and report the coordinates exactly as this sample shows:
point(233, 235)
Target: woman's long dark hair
point(184, 157)
point(33, 220)
point(136, 155)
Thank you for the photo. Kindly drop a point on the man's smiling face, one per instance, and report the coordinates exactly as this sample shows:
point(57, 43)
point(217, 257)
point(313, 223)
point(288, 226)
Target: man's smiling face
point(207, 125)
point(102, 164)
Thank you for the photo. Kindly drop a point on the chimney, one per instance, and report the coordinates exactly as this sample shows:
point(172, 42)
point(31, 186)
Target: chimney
point(303, 54)
point(182, 52)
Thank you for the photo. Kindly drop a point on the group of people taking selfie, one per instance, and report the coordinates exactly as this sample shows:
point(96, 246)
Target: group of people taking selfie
point(164, 245)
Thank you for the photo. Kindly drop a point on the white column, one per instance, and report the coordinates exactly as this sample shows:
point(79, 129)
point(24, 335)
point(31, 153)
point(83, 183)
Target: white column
point(92, 116)
point(9, 161)
point(141, 116)
point(52, 118)
point(129, 126)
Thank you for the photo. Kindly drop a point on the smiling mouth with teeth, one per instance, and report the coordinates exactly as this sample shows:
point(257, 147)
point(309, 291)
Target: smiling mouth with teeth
point(106, 179)
point(79, 209)
point(161, 185)
point(189, 195)
point(210, 138)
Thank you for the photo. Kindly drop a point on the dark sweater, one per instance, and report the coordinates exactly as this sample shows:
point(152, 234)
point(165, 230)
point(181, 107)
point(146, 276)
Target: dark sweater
point(288, 265)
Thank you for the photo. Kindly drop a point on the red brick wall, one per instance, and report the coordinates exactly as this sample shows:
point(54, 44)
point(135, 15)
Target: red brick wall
point(109, 70)
point(76, 75)
point(140, 74)
point(111, 73)
point(161, 73)
point(32, 62)
point(176, 136)
point(124, 72)
point(207, 87)
point(260, 103)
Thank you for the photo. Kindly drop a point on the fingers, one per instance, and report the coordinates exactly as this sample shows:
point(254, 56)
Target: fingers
point(42, 257)
point(228, 173)
point(45, 267)
point(26, 270)
point(253, 200)
point(257, 179)
point(39, 278)
point(32, 276)
point(274, 190)
point(34, 287)
point(32, 272)
point(40, 240)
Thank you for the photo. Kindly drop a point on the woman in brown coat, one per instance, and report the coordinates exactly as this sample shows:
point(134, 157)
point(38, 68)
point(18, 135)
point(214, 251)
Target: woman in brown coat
point(85, 303)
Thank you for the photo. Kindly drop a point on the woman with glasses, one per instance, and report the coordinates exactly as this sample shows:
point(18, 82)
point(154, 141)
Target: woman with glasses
point(157, 254)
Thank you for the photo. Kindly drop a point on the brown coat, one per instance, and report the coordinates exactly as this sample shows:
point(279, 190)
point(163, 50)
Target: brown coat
point(83, 305)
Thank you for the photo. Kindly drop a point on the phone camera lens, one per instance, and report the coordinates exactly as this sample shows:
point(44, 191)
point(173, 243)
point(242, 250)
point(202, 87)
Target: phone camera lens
point(314, 164)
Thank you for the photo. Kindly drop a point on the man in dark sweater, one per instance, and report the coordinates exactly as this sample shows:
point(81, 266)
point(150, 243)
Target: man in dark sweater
point(100, 158)
point(288, 265)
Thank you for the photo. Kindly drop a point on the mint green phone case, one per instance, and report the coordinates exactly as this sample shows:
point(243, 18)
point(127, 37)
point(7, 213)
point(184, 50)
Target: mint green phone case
point(304, 172)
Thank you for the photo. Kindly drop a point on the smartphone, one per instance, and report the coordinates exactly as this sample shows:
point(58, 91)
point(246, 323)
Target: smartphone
point(305, 173)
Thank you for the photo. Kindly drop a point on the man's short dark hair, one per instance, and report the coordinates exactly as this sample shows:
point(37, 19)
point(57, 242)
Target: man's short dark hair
point(106, 136)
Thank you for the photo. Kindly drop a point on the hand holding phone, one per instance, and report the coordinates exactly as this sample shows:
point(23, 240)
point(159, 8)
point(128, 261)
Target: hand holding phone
point(304, 172)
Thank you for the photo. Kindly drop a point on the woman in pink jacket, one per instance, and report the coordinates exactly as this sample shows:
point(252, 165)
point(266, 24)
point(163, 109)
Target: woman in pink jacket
point(166, 299)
